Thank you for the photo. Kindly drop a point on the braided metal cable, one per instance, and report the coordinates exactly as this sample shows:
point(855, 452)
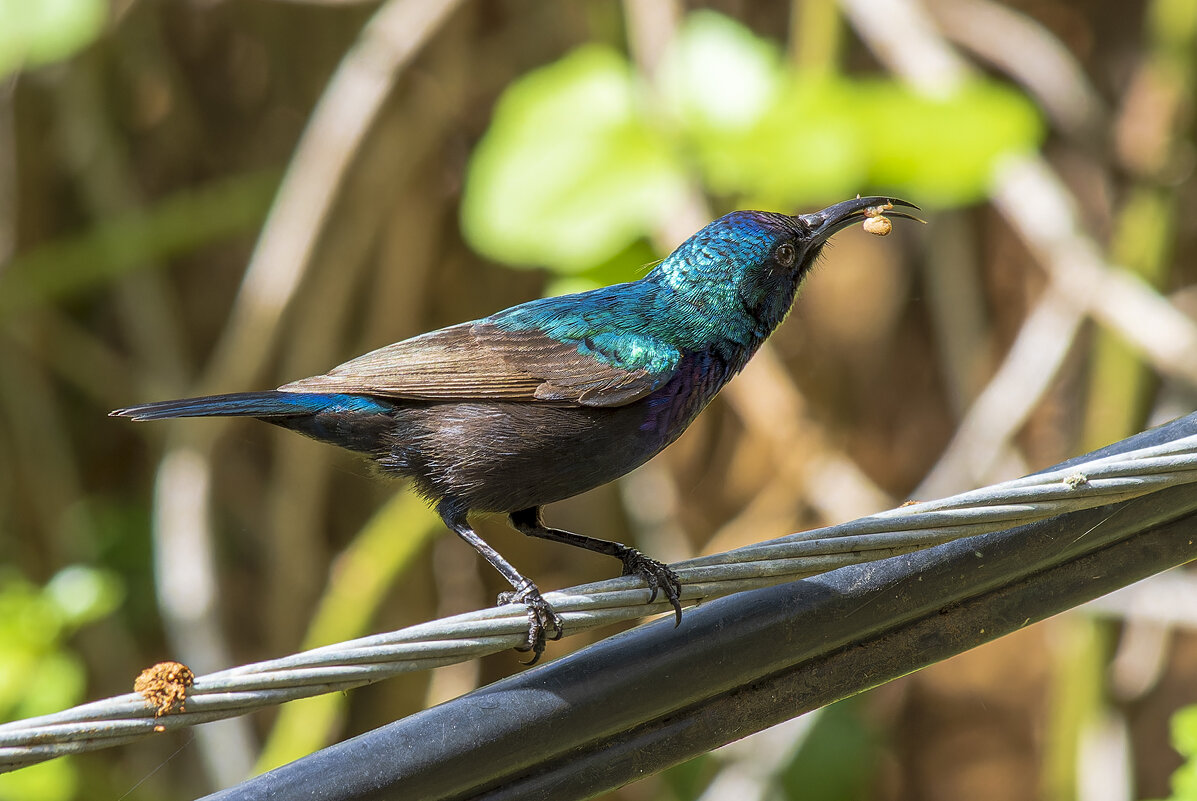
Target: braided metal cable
point(333, 668)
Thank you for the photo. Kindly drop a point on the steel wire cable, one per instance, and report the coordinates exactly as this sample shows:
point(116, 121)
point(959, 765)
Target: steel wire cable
point(335, 668)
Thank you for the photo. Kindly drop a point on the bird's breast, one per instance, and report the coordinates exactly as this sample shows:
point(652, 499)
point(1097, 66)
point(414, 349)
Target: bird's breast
point(671, 409)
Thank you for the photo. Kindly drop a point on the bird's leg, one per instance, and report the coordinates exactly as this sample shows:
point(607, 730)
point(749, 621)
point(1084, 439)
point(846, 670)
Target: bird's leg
point(541, 616)
point(657, 575)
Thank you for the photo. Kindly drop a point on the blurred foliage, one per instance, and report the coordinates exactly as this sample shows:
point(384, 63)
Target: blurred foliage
point(172, 226)
point(578, 163)
point(39, 672)
point(689, 779)
point(838, 758)
point(1184, 740)
point(570, 173)
point(42, 32)
point(141, 145)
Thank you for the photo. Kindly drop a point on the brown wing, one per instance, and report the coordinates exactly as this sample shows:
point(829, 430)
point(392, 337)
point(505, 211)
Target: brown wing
point(483, 361)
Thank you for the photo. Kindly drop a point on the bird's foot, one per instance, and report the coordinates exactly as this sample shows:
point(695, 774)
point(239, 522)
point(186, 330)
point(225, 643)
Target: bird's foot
point(542, 618)
point(657, 575)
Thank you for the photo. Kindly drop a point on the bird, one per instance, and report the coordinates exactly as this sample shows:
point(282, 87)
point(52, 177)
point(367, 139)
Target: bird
point(553, 397)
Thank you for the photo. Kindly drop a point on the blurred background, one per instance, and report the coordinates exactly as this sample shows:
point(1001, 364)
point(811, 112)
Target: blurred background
point(219, 195)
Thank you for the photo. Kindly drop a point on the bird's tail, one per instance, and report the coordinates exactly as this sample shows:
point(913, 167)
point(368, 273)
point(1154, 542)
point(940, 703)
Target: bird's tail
point(253, 404)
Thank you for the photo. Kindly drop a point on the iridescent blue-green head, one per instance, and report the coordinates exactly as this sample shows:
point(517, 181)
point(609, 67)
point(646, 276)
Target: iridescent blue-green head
point(741, 272)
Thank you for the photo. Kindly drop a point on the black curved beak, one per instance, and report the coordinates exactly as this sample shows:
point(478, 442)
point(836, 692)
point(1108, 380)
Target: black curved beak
point(835, 218)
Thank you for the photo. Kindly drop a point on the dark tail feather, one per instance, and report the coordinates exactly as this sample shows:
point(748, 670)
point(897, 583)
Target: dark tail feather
point(252, 404)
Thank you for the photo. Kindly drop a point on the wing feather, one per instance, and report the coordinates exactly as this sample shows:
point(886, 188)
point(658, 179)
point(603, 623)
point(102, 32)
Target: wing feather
point(485, 360)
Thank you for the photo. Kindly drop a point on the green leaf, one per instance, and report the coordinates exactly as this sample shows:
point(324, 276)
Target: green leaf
point(55, 682)
point(757, 134)
point(838, 757)
point(1184, 740)
point(28, 620)
point(83, 594)
point(827, 138)
point(688, 779)
point(628, 265)
point(718, 75)
point(776, 138)
point(36, 32)
point(1184, 732)
point(570, 172)
point(944, 151)
point(807, 149)
point(57, 780)
point(575, 168)
point(37, 674)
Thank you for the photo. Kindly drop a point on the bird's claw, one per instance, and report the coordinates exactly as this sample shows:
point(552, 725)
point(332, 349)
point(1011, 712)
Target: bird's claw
point(541, 618)
point(658, 576)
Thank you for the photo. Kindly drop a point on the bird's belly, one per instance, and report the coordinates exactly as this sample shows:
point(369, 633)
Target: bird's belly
point(502, 457)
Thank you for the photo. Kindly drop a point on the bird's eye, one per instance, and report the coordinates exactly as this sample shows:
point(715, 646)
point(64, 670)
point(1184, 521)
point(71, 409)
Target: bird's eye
point(785, 254)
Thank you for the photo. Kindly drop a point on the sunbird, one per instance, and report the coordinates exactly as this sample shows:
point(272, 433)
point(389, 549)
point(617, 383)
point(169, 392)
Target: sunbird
point(553, 397)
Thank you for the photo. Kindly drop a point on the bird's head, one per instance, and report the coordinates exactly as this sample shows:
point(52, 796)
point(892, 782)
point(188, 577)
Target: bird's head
point(748, 264)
